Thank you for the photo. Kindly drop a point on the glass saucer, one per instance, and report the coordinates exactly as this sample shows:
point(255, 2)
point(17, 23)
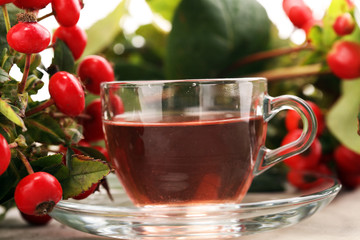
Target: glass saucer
point(258, 212)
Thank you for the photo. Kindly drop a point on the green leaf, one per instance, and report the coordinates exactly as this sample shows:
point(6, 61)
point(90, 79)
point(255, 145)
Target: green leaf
point(45, 129)
point(33, 85)
point(63, 59)
point(165, 8)
point(155, 38)
point(13, 19)
point(52, 164)
point(4, 76)
point(342, 118)
point(8, 112)
point(84, 173)
point(102, 33)
point(209, 35)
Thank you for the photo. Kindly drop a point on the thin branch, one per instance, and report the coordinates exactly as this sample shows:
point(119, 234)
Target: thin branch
point(22, 84)
point(25, 162)
point(40, 107)
point(264, 55)
point(292, 72)
point(45, 16)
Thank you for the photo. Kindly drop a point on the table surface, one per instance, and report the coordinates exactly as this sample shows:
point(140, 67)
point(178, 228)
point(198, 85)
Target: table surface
point(339, 220)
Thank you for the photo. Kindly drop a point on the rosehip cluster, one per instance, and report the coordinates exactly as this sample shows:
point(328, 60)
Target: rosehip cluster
point(38, 192)
point(303, 166)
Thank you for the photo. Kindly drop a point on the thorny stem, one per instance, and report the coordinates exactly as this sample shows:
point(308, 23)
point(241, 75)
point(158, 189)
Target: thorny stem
point(25, 162)
point(22, 84)
point(45, 16)
point(40, 107)
point(264, 55)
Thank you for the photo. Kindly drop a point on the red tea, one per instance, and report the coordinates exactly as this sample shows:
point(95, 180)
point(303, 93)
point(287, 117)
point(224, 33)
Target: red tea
point(187, 160)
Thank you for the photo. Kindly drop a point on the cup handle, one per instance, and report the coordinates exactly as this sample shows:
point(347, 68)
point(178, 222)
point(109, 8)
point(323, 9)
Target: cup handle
point(272, 105)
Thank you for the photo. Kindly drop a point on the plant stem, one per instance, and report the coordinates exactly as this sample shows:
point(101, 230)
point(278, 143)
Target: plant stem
point(264, 55)
point(25, 162)
point(13, 145)
point(45, 16)
point(40, 107)
point(6, 17)
point(22, 84)
point(292, 72)
point(7, 22)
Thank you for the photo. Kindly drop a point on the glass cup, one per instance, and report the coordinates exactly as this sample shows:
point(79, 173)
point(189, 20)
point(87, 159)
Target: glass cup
point(186, 142)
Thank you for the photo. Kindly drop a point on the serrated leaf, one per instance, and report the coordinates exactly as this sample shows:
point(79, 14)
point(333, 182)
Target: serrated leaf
point(8, 112)
point(63, 58)
point(92, 152)
point(4, 76)
point(103, 32)
point(45, 129)
point(84, 173)
point(342, 118)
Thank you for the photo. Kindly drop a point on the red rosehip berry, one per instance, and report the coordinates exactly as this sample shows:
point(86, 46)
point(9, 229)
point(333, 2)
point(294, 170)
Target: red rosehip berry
point(93, 129)
point(344, 59)
point(36, 220)
point(306, 160)
point(37, 193)
point(31, 4)
point(116, 105)
point(3, 2)
point(298, 12)
point(5, 154)
point(293, 120)
point(305, 180)
point(67, 93)
point(94, 70)
point(344, 24)
point(67, 12)
point(74, 37)
point(299, 16)
point(87, 193)
point(288, 4)
point(347, 161)
point(28, 37)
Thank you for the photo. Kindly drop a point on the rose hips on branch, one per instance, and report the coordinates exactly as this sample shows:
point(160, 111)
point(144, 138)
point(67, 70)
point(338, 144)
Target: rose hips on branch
point(74, 37)
point(67, 93)
point(94, 70)
point(37, 193)
point(5, 154)
point(67, 12)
